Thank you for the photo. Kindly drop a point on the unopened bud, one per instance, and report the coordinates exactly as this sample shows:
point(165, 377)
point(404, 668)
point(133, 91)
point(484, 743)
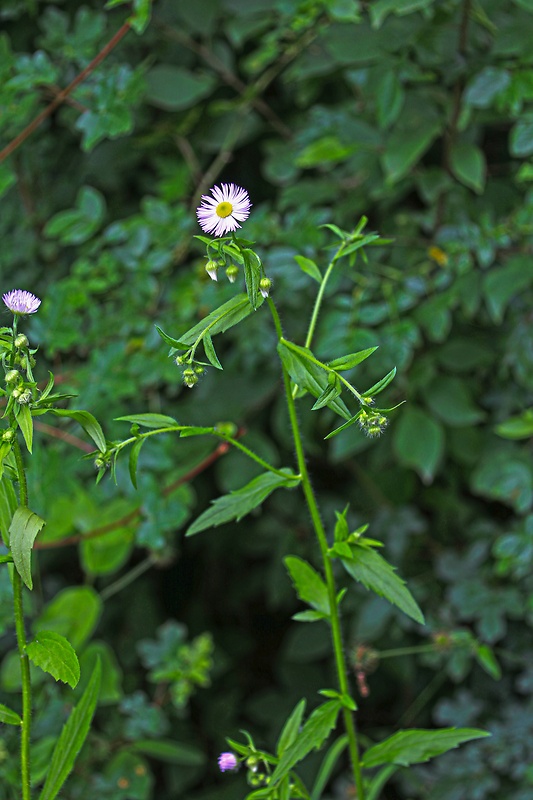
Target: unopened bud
point(199, 370)
point(372, 423)
point(211, 268)
point(12, 376)
point(21, 341)
point(264, 286)
point(25, 397)
point(189, 378)
point(100, 463)
point(180, 360)
point(8, 435)
point(232, 273)
point(226, 428)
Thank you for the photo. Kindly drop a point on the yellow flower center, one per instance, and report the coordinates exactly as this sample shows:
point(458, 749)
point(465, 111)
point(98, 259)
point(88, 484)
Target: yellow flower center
point(224, 209)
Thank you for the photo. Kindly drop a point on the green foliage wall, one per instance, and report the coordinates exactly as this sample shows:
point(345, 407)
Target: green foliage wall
point(418, 114)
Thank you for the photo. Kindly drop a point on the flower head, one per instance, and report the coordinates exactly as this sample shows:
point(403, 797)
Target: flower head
point(227, 761)
point(20, 302)
point(223, 212)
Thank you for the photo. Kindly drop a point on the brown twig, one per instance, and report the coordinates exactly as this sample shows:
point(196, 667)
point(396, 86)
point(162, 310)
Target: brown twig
point(222, 448)
point(64, 436)
point(63, 94)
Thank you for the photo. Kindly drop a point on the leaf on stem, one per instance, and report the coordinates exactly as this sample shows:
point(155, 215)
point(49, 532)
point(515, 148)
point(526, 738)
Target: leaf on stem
point(418, 745)
point(239, 503)
point(291, 728)
point(24, 527)
point(25, 423)
point(308, 584)
point(352, 359)
point(9, 717)
point(54, 654)
point(90, 425)
point(308, 266)
point(299, 363)
point(149, 420)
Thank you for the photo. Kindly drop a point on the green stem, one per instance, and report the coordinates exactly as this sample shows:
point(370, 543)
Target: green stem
point(328, 569)
point(252, 455)
point(21, 643)
point(318, 301)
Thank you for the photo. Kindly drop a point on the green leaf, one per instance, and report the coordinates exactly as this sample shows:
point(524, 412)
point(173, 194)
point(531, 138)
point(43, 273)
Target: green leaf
point(174, 88)
point(450, 400)
point(329, 394)
point(467, 162)
point(252, 276)
point(419, 442)
point(291, 728)
point(309, 616)
point(149, 420)
point(308, 266)
point(133, 459)
point(8, 505)
point(521, 139)
point(520, 427)
point(71, 739)
point(337, 231)
point(308, 584)
point(24, 527)
point(184, 755)
point(418, 745)
point(9, 717)
point(311, 737)
point(25, 423)
point(170, 340)
point(210, 351)
point(307, 374)
point(54, 654)
point(406, 146)
point(73, 612)
point(328, 765)
point(380, 9)
point(370, 568)
point(502, 284)
point(90, 425)
point(343, 427)
point(488, 661)
point(351, 360)
point(380, 385)
point(218, 321)
point(239, 503)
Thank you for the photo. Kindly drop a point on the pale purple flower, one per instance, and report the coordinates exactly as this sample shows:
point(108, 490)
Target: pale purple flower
point(227, 762)
point(223, 212)
point(20, 302)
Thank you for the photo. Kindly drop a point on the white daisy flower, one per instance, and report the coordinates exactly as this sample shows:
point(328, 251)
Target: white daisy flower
point(223, 212)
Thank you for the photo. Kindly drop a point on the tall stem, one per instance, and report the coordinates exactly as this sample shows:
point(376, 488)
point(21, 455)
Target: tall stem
point(312, 505)
point(21, 643)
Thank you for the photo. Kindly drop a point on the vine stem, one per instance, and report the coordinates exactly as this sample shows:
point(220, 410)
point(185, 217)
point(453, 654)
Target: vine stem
point(21, 643)
point(312, 505)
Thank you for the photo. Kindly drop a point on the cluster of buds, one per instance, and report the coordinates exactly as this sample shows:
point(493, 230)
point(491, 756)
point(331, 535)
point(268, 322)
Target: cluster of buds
point(257, 768)
point(372, 423)
point(212, 267)
point(191, 371)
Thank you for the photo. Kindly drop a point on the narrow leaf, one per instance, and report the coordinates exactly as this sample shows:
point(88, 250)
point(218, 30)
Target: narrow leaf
point(337, 231)
point(210, 351)
point(308, 375)
point(308, 266)
point(380, 385)
point(72, 738)
point(90, 425)
point(134, 458)
point(343, 427)
point(149, 420)
point(309, 616)
point(218, 321)
point(54, 654)
point(370, 568)
point(418, 745)
point(170, 340)
point(9, 717)
point(308, 584)
point(239, 503)
point(291, 728)
point(327, 766)
point(311, 737)
point(252, 276)
point(25, 423)
point(352, 360)
point(24, 527)
point(330, 393)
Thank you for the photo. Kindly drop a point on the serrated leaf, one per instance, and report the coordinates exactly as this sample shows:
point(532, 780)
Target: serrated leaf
point(24, 527)
point(311, 737)
point(308, 375)
point(308, 266)
point(149, 420)
point(133, 459)
point(291, 728)
point(351, 360)
point(380, 385)
point(9, 717)
point(72, 738)
point(239, 503)
point(370, 568)
point(90, 425)
point(308, 584)
point(25, 423)
point(54, 654)
point(418, 745)
point(210, 351)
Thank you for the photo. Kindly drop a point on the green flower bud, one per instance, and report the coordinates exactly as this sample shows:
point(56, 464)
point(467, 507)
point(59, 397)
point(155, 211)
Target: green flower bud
point(189, 377)
point(100, 463)
point(199, 370)
point(16, 393)
point(180, 360)
point(8, 435)
point(21, 341)
point(211, 268)
point(12, 376)
point(232, 273)
point(226, 428)
point(264, 286)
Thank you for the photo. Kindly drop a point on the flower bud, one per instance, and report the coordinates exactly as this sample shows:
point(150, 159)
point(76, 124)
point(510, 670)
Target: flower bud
point(100, 463)
point(21, 341)
point(8, 435)
point(211, 268)
point(226, 428)
point(372, 423)
point(199, 370)
point(16, 393)
point(12, 376)
point(25, 397)
point(264, 286)
point(232, 273)
point(189, 377)
point(180, 360)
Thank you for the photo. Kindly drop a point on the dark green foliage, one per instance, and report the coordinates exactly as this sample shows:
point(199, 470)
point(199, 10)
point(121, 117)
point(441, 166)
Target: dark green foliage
point(416, 114)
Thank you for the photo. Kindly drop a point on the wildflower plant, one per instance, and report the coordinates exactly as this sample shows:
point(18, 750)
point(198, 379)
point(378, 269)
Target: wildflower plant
point(273, 775)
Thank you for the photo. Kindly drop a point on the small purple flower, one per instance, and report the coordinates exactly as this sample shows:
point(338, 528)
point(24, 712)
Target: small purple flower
point(227, 762)
point(20, 302)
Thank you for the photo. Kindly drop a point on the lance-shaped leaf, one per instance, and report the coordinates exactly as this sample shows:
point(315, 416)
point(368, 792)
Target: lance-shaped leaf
point(291, 728)
point(54, 654)
point(90, 425)
point(312, 736)
point(352, 359)
point(72, 738)
point(308, 584)
point(239, 503)
point(329, 394)
point(210, 351)
point(25, 423)
point(149, 420)
point(418, 745)
point(370, 568)
point(252, 276)
point(24, 527)
point(9, 717)
point(299, 363)
point(380, 385)
point(220, 320)
point(308, 266)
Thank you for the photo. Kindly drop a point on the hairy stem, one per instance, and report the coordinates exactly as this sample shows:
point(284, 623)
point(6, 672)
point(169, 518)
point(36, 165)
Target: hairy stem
point(340, 661)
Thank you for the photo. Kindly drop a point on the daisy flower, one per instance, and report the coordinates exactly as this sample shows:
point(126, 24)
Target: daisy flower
point(223, 212)
point(20, 302)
